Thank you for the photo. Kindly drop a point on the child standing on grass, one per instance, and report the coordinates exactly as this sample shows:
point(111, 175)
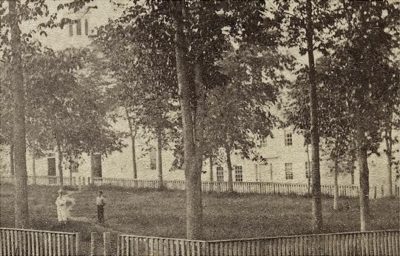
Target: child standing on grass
point(61, 204)
point(64, 204)
point(100, 202)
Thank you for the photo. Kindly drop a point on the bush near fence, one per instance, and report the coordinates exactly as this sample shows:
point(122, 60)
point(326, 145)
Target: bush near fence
point(207, 186)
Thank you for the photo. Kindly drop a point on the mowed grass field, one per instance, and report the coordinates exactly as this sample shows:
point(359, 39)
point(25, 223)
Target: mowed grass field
point(162, 213)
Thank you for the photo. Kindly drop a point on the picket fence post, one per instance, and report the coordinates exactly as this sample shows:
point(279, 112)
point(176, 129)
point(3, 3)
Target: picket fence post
point(107, 244)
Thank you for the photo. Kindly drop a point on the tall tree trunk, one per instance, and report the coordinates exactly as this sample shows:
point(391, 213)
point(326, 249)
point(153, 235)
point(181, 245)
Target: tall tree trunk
point(19, 140)
point(388, 141)
point(12, 172)
point(314, 131)
point(229, 165)
point(159, 159)
point(211, 169)
point(60, 160)
point(336, 185)
point(353, 158)
point(70, 176)
point(133, 132)
point(134, 164)
point(34, 167)
point(352, 175)
point(364, 178)
point(308, 170)
point(194, 209)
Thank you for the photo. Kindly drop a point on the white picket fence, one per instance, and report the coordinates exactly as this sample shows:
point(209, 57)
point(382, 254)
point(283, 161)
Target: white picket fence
point(208, 186)
point(336, 244)
point(26, 242)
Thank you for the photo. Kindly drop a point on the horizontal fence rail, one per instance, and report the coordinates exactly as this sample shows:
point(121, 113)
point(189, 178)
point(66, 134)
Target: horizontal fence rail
point(210, 186)
point(337, 244)
point(19, 242)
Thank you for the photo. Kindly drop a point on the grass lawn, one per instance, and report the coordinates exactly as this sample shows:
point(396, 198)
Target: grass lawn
point(156, 213)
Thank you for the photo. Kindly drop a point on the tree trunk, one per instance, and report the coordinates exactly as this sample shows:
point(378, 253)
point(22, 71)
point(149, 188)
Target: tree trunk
point(308, 170)
point(60, 160)
point(336, 185)
point(364, 178)
point(19, 140)
point(352, 175)
point(70, 176)
point(159, 159)
point(211, 169)
point(134, 164)
point(388, 141)
point(229, 165)
point(133, 140)
point(352, 161)
point(34, 167)
point(314, 130)
point(194, 210)
point(12, 159)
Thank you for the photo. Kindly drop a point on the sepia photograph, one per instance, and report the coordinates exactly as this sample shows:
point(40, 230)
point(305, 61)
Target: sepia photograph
point(199, 127)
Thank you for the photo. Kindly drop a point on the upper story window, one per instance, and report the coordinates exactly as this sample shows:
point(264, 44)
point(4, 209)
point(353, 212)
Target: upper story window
point(220, 173)
point(71, 29)
point(86, 27)
point(288, 139)
point(78, 27)
point(238, 173)
point(289, 171)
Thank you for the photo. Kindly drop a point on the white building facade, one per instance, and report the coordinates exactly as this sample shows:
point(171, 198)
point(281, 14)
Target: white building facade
point(287, 156)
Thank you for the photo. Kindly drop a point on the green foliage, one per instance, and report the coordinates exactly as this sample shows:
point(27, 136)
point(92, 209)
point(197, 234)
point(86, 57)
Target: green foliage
point(61, 106)
point(239, 111)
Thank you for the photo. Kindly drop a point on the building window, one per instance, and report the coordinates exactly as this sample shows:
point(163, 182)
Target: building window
point(288, 139)
point(238, 173)
point(86, 27)
point(71, 29)
point(220, 173)
point(73, 166)
point(51, 166)
point(78, 27)
point(307, 164)
point(288, 171)
point(153, 159)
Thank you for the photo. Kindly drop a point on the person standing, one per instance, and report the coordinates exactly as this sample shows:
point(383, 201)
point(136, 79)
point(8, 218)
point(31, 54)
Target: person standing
point(100, 202)
point(61, 204)
point(70, 202)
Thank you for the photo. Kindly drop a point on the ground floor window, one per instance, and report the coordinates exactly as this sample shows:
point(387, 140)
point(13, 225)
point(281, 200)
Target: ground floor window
point(220, 173)
point(238, 173)
point(288, 171)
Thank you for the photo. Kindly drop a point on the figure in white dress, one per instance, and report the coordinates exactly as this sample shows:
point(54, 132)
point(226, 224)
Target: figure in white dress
point(64, 205)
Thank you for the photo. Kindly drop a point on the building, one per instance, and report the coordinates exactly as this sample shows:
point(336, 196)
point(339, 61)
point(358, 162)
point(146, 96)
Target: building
point(288, 160)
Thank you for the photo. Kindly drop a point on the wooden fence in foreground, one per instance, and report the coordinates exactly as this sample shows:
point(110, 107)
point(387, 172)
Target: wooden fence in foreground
point(18, 242)
point(25, 242)
point(207, 186)
point(337, 244)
